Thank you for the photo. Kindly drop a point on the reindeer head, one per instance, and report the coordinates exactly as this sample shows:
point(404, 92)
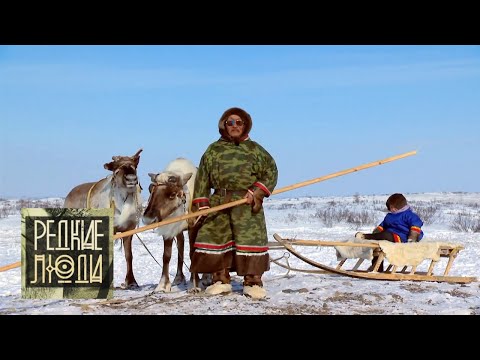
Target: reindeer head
point(166, 195)
point(125, 170)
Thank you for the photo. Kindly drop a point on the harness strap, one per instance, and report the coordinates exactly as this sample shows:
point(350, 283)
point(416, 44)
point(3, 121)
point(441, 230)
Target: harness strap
point(89, 194)
point(112, 199)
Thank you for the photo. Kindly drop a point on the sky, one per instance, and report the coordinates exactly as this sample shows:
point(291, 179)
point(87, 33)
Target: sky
point(293, 293)
point(66, 110)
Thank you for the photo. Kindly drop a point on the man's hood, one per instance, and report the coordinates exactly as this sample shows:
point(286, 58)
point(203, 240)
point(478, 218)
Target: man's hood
point(247, 120)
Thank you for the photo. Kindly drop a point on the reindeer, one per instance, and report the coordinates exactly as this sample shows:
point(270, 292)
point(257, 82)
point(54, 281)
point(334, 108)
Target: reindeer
point(171, 194)
point(120, 191)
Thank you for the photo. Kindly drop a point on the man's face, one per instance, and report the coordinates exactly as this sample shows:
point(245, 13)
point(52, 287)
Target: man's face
point(234, 125)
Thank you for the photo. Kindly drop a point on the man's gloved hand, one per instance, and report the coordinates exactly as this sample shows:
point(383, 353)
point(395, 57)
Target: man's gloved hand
point(201, 219)
point(257, 202)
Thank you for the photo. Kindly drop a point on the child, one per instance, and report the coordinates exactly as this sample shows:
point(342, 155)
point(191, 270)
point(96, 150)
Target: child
point(401, 224)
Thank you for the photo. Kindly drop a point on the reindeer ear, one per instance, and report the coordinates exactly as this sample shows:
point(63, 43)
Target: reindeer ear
point(186, 177)
point(137, 154)
point(109, 166)
point(136, 157)
point(152, 176)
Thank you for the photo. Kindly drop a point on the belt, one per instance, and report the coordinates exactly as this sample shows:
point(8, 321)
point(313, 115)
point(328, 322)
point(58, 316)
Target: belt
point(225, 192)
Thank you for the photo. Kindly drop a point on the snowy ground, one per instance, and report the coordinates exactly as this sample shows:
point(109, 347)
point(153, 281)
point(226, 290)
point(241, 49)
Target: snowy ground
point(297, 293)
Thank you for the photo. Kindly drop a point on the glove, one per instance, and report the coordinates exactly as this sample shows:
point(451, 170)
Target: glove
point(257, 202)
point(201, 219)
point(377, 229)
point(413, 236)
point(199, 204)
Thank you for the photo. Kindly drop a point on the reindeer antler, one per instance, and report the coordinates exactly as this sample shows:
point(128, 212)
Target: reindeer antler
point(138, 153)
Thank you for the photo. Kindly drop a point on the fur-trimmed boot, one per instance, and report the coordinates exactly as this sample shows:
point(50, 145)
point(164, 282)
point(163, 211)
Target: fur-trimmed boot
point(360, 235)
point(255, 292)
point(253, 287)
point(218, 288)
point(221, 283)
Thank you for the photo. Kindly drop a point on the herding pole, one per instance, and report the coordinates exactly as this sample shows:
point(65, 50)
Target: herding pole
point(277, 191)
point(244, 200)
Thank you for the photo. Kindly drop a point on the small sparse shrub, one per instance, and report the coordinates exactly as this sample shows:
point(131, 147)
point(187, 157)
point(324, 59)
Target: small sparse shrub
point(360, 219)
point(325, 216)
point(14, 207)
point(291, 217)
point(337, 215)
point(465, 223)
point(306, 205)
point(380, 207)
point(427, 212)
point(285, 206)
point(356, 198)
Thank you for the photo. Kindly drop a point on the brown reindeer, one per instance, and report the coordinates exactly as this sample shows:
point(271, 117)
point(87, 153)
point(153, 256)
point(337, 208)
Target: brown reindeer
point(171, 194)
point(120, 191)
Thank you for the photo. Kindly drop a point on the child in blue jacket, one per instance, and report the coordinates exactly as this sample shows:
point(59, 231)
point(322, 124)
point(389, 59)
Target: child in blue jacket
point(401, 224)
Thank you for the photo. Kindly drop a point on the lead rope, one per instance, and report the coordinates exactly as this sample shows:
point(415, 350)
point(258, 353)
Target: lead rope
point(139, 212)
point(145, 246)
point(184, 200)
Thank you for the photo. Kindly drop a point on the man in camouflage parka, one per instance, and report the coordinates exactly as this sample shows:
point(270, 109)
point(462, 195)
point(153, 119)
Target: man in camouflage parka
point(234, 239)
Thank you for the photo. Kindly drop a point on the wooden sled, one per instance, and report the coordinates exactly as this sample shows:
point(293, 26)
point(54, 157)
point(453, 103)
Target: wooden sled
point(390, 273)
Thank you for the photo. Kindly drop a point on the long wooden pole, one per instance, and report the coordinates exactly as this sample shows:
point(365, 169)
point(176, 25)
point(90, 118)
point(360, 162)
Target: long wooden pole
point(11, 266)
point(277, 191)
point(344, 172)
point(243, 201)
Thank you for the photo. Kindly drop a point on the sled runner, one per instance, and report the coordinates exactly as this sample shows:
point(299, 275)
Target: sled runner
point(380, 251)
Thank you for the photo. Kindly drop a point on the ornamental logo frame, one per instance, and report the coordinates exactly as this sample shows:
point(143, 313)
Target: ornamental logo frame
point(67, 253)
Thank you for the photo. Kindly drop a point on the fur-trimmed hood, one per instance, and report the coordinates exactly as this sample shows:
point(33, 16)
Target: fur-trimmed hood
point(243, 115)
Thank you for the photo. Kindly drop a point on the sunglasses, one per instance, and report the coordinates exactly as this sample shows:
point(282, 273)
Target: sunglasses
point(231, 122)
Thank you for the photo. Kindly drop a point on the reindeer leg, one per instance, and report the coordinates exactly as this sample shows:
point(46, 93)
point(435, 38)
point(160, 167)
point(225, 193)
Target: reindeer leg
point(130, 281)
point(164, 284)
point(194, 279)
point(179, 277)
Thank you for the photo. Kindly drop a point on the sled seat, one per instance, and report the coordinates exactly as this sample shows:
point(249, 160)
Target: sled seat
point(444, 250)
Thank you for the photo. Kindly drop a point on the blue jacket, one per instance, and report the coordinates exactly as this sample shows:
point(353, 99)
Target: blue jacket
point(401, 222)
